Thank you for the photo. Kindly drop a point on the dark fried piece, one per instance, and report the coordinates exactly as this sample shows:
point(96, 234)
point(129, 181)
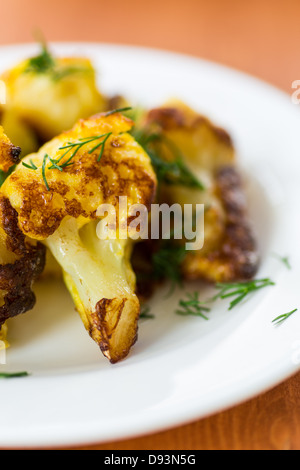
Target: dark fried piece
point(236, 258)
point(27, 263)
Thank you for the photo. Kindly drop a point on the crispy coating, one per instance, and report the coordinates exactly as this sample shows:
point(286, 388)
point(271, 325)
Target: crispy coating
point(9, 153)
point(235, 257)
point(21, 263)
point(78, 190)
point(230, 251)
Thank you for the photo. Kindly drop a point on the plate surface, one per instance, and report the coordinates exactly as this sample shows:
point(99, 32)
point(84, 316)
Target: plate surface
point(182, 368)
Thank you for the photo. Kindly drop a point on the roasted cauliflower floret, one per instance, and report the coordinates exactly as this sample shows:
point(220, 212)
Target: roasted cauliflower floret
point(229, 251)
point(51, 94)
point(56, 194)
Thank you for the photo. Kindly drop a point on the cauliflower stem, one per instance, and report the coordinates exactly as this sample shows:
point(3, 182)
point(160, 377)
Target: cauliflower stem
point(99, 269)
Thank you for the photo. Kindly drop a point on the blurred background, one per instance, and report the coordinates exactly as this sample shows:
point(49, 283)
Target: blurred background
point(258, 36)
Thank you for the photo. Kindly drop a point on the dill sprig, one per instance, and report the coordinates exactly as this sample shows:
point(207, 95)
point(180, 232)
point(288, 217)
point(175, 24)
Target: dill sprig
point(284, 260)
point(284, 317)
point(145, 312)
point(73, 147)
point(44, 171)
point(118, 110)
point(173, 172)
point(193, 306)
point(45, 63)
point(32, 166)
point(240, 290)
point(13, 375)
point(167, 261)
point(76, 146)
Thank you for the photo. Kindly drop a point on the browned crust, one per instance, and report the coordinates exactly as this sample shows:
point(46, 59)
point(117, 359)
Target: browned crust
point(170, 118)
point(15, 240)
point(239, 245)
point(237, 257)
point(9, 155)
point(16, 279)
point(105, 321)
point(166, 118)
point(84, 185)
point(36, 200)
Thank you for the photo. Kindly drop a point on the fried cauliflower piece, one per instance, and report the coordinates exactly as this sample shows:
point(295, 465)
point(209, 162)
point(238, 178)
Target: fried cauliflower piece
point(21, 260)
point(56, 196)
point(21, 263)
point(229, 251)
point(51, 94)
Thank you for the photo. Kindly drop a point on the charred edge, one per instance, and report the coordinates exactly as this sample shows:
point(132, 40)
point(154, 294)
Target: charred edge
point(15, 154)
point(106, 332)
point(16, 279)
point(239, 247)
point(115, 102)
point(173, 118)
point(167, 118)
point(222, 135)
point(15, 241)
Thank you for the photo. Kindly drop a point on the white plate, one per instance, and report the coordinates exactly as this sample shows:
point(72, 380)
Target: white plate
point(181, 369)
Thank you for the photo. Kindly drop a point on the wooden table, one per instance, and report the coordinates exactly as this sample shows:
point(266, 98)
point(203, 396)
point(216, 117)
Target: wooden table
point(261, 37)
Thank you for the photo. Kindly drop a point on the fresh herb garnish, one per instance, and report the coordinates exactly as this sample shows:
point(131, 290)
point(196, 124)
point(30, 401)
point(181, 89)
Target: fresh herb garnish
point(284, 317)
point(32, 166)
point(240, 290)
point(193, 306)
point(76, 146)
point(70, 146)
point(284, 260)
point(119, 110)
point(168, 172)
point(167, 261)
point(42, 63)
point(44, 171)
point(45, 63)
point(145, 312)
point(13, 375)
